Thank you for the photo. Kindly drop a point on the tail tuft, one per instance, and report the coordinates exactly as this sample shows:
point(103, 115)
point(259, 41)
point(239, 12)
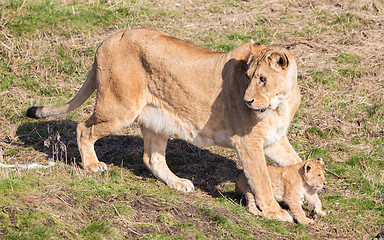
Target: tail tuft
point(34, 112)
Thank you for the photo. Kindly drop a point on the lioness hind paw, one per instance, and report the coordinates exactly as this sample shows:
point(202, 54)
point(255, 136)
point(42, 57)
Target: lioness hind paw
point(96, 167)
point(183, 185)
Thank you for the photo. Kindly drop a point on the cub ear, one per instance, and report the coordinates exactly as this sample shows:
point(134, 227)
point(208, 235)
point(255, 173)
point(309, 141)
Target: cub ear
point(320, 161)
point(307, 167)
point(278, 61)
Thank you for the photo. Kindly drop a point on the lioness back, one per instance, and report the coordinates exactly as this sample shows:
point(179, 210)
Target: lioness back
point(168, 80)
point(290, 184)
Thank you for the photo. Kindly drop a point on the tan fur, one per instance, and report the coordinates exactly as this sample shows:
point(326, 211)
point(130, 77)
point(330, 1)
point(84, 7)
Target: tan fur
point(171, 87)
point(290, 184)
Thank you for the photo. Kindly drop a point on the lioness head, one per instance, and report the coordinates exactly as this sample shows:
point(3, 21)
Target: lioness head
point(270, 76)
point(314, 173)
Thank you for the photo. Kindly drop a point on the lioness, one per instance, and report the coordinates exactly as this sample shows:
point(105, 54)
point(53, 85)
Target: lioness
point(291, 184)
point(243, 99)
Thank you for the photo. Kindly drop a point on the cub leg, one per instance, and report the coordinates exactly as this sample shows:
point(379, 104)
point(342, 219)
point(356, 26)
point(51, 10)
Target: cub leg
point(154, 158)
point(251, 203)
point(315, 201)
point(294, 205)
point(87, 134)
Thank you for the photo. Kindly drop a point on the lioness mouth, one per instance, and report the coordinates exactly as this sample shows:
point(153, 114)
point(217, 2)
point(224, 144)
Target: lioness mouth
point(259, 110)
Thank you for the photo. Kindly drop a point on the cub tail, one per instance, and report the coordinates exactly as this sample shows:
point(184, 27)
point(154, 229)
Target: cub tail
point(84, 93)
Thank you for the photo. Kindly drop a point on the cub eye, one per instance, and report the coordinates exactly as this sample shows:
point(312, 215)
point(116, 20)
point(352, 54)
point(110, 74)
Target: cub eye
point(319, 175)
point(262, 80)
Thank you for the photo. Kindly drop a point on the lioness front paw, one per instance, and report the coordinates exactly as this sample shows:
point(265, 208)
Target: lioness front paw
point(183, 185)
point(96, 167)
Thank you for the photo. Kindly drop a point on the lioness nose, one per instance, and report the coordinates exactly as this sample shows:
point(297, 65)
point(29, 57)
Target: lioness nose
point(249, 103)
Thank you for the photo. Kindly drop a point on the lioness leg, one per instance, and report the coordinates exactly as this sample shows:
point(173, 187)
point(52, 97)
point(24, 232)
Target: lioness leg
point(255, 169)
point(242, 187)
point(154, 158)
point(87, 134)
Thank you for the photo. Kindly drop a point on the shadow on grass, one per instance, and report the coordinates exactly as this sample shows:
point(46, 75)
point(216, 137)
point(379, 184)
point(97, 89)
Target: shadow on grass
point(57, 139)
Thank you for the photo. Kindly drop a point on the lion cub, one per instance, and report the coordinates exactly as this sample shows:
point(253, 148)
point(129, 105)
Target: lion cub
point(291, 184)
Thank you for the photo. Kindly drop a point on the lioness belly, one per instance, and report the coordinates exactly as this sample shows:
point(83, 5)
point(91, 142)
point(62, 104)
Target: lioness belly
point(167, 123)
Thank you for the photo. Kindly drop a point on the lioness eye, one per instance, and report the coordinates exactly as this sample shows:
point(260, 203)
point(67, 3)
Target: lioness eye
point(262, 80)
point(247, 78)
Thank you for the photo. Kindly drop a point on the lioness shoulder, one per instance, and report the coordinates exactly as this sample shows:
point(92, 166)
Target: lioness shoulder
point(291, 185)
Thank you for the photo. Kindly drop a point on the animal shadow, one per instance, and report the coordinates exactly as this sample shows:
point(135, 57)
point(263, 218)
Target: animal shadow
point(57, 139)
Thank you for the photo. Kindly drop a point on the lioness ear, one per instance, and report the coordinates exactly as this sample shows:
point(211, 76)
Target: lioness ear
point(253, 43)
point(254, 46)
point(278, 61)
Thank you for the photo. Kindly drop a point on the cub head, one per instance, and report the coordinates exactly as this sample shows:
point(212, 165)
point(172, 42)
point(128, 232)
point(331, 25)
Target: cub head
point(271, 74)
point(313, 173)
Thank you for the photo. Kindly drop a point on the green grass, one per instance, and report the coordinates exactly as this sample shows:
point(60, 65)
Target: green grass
point(345, 21)
point(100, 230)
point(223, 223)
point(327, 78)
point(348, 58)
point(63, 19)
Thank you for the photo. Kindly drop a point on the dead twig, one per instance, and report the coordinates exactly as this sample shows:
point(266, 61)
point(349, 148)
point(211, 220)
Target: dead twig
point(125, 221)
point(377, 6)
point(348, 186)
point(333, 173)
point(61, 199)
point(1, 155)
point(267, 5)
point(6, 46)
point(230, 200)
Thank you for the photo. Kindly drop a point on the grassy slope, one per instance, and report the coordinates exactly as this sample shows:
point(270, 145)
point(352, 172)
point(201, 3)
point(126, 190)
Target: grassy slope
point(46, 51)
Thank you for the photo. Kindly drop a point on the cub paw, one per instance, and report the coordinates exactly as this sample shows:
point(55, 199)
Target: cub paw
point(254, 210)
point(96, 167)
point(182, 185)
point(306, 221)
point(321, 213)
point(280, 214)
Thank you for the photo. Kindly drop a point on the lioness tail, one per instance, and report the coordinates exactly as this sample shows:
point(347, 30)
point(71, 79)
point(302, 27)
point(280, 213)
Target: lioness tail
point(84, 93)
